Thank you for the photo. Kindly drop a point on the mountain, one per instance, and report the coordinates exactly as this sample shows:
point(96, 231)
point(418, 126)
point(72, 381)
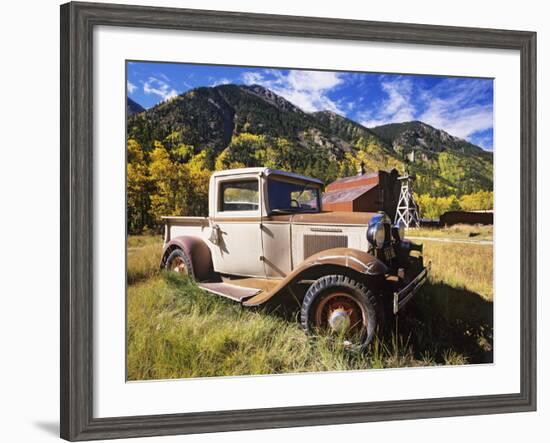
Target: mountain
point(421, 137)
point(209, 117)
point(236, 125)
point(132, 107)
point(348, 129)
point(443, 163)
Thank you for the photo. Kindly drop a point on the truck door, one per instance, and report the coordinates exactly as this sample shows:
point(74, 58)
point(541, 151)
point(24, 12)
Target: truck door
point(237, 227)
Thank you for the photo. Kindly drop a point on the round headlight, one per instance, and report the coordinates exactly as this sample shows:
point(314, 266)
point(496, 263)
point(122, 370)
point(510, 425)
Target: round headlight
point(377, 235)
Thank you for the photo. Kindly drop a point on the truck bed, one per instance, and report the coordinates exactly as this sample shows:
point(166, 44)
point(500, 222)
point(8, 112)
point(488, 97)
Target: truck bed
point(176, 226)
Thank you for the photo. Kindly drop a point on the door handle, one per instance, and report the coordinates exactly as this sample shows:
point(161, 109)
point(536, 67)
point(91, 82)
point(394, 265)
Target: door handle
point(215, 235)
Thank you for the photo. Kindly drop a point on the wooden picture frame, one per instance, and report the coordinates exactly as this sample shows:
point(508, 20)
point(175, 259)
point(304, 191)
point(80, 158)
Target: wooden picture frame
point(77, 23)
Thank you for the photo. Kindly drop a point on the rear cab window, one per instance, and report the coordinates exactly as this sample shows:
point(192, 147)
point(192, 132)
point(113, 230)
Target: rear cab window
point(239, 196)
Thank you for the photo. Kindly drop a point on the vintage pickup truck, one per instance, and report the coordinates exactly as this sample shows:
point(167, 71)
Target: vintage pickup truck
point(267, 236)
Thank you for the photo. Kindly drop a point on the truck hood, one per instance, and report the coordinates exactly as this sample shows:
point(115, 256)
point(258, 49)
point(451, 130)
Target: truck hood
point(334, 218)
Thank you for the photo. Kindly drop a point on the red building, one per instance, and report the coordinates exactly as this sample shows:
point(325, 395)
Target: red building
point(377, 191)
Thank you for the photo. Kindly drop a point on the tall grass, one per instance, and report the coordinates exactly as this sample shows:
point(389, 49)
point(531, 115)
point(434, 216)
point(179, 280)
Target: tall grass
point(462, 266)
point(177, 330)
point(138, 241)
point(143, 258)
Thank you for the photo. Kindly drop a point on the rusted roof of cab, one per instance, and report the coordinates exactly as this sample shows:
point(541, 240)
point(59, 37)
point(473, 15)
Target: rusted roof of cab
point(267, 172)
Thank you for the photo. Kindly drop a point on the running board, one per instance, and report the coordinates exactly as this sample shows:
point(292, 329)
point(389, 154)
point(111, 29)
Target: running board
point(233, 292)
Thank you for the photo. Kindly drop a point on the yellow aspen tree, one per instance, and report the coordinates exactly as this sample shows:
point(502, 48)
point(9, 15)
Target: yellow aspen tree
point(137, 199)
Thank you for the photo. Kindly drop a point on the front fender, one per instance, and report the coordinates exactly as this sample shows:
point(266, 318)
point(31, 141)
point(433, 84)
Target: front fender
point(338, 258)
point(196, 249)
point(359, 261)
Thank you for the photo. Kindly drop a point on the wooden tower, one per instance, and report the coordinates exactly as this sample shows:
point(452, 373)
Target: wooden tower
point(407, 209)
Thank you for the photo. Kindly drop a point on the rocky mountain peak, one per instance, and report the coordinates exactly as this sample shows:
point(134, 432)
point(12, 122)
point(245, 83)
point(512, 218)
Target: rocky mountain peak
point(271, 98)
point(417, 135)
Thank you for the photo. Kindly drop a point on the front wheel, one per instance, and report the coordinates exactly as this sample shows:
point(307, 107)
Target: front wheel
point(340, 305)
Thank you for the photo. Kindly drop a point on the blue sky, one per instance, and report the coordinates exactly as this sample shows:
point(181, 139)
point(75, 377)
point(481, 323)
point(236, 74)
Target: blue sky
point(461, 106)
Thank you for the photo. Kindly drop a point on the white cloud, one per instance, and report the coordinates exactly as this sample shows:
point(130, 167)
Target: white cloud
point(162, 76)
point(458, 107)
point(454, 107)
point(397, 107)
point(459, 122)
point(306, 89)
point(313, 80)
point(130, 86)
point(350, 106)
point(221, 81)
point(159, 87)
point(253, 78)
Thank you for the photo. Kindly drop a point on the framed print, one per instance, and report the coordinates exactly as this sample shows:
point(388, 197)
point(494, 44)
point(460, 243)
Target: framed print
point(273, 221)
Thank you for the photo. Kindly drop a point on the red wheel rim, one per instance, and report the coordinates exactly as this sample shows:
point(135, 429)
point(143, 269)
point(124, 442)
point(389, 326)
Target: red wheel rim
point(340, 312)
point(178, 265)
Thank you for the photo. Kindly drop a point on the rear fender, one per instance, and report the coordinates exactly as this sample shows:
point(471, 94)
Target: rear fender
point(196, 249)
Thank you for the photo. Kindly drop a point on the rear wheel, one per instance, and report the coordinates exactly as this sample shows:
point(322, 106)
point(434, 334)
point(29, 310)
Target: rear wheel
point(178, 261)
point(340, 305)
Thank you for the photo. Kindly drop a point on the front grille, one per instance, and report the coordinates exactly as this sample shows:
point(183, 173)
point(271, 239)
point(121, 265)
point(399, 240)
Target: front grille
point(317, 243)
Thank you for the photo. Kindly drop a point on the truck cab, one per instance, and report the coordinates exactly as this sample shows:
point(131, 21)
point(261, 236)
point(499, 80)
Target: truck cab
point(252, 208)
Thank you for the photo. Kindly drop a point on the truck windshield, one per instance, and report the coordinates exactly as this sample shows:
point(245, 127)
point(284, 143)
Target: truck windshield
point(292, 197)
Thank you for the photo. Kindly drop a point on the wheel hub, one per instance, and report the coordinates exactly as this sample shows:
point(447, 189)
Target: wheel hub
point(339, 320)
point(178, 265)
point(339, 312)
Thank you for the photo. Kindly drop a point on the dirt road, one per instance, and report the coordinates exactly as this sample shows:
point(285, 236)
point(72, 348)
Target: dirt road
point(451, 240)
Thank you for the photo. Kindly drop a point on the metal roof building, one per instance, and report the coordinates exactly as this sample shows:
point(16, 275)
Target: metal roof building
point(377, 191)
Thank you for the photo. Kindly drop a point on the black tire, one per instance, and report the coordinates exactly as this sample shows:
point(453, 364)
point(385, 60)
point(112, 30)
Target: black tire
point(328, 288)
point(179, 261)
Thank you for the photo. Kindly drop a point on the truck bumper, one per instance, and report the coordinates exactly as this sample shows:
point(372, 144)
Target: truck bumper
point(402, 297)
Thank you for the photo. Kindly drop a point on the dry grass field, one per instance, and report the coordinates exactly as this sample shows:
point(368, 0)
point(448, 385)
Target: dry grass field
point(143, 257)
point(455, 232)
point(176, 330)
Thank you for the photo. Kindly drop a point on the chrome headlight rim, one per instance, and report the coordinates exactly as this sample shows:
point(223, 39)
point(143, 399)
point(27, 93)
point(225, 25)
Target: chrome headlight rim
point(376, 235)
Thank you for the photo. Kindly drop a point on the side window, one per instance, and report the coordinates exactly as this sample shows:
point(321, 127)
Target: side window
point(239, 195)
